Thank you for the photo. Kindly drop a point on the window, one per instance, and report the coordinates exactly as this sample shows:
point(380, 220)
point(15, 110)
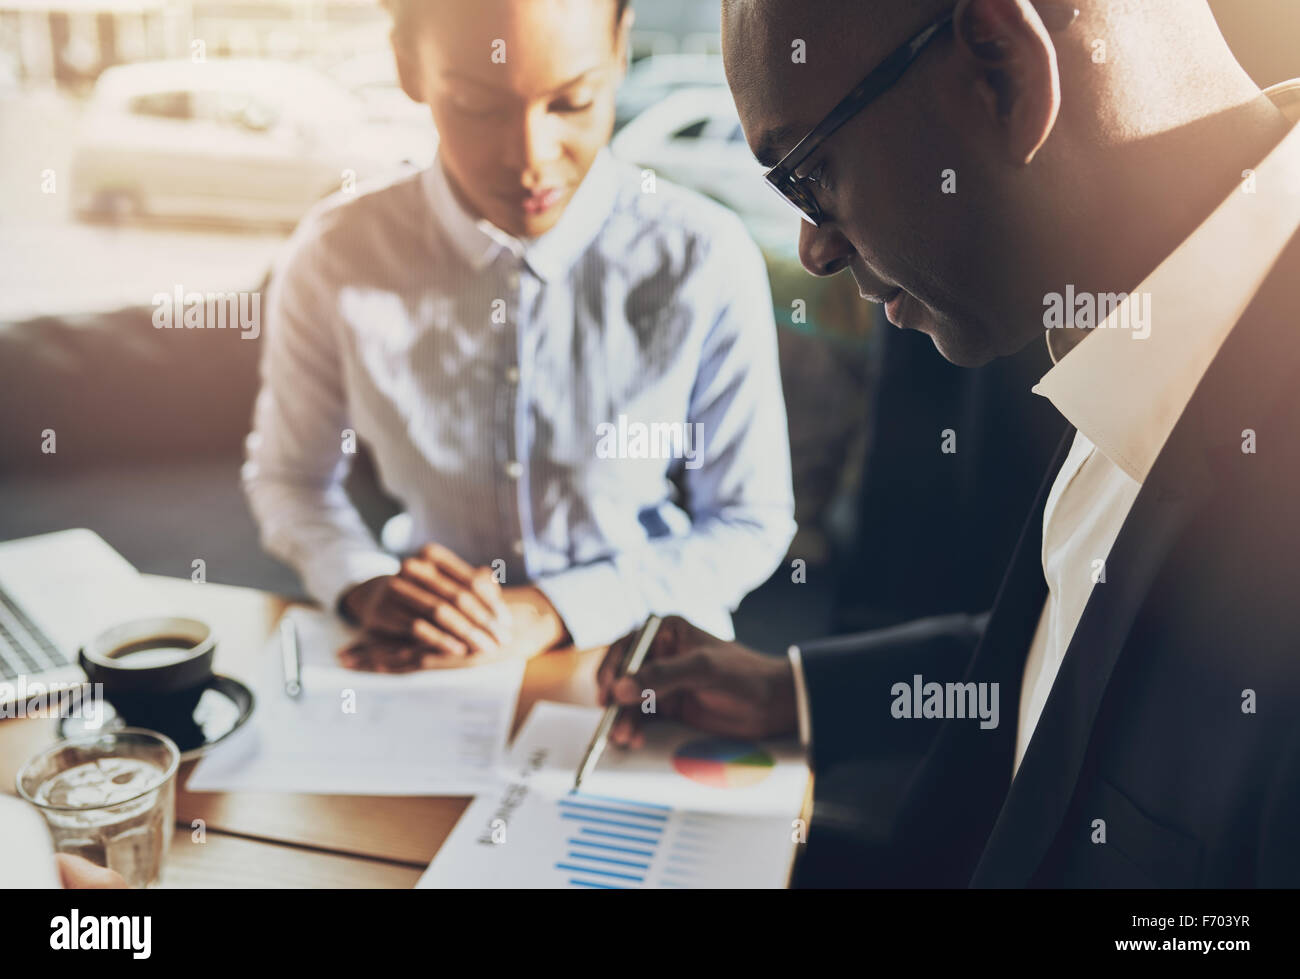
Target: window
point(694, 131)
point(162, 105)
point(237, 109)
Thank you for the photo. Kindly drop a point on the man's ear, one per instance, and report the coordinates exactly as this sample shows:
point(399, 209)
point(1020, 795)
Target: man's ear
point(408, 68)
point(1015, 69)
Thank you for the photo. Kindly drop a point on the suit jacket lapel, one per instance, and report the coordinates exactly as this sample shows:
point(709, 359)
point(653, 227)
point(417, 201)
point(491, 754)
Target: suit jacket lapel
point(1044, 785)
point(1253, 369)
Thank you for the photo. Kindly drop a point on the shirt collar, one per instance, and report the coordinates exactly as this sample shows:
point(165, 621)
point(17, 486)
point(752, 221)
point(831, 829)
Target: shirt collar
point(550, 255)
point(1126, 394)
point(476, 240)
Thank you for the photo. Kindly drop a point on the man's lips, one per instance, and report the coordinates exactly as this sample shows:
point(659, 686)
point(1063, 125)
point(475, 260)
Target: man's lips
point(894, 307)
point(892, 301)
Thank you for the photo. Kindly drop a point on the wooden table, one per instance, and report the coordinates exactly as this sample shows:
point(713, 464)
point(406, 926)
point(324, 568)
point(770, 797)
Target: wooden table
point(268, 839)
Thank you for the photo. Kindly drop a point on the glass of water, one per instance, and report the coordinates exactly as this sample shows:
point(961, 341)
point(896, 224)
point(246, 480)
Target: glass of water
point(110, 798)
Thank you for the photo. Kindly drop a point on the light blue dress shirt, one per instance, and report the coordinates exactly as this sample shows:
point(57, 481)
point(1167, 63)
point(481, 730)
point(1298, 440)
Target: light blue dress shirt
point(597, 411)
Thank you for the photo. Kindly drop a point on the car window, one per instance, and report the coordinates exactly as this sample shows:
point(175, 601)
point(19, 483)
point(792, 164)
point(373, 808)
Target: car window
point(162, 105)
point(238, 109)
point(694, 131)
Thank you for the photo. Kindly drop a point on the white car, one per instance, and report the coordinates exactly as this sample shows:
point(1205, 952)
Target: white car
point(693, 137)
point(241, 140)
point(372, 77)
point(657, 76)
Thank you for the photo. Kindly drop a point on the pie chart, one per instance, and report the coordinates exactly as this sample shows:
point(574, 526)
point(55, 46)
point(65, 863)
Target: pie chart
point(722, 763)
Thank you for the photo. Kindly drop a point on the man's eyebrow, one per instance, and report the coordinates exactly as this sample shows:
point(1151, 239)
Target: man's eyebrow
point(769, 153)
point(581, 76)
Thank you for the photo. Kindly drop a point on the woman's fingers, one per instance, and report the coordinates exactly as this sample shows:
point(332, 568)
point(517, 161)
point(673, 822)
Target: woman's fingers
point(438, 602)
point(439, 614)
point(429, 576)
point(478, 580)
point(379, 656)
point(444, 642)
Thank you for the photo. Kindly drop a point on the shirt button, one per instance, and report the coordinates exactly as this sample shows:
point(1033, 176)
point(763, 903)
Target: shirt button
point(514, 469)
point(512, 374)
point(513, 280)
point(519, 547)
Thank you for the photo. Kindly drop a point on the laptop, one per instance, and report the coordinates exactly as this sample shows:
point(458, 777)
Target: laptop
point(56, 592)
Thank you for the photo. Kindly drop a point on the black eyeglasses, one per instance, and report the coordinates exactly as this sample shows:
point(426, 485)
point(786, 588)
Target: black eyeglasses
point(785, 181)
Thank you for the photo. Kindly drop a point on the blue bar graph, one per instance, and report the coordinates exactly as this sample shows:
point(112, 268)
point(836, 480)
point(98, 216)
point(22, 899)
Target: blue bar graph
point(615, 840)
point(632, 851)
point(618, 836)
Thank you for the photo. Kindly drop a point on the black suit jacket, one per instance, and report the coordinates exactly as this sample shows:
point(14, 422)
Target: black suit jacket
point(948, 521)
point(1144, 735)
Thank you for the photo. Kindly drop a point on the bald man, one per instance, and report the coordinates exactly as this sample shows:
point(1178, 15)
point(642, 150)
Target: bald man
point(1105, 175)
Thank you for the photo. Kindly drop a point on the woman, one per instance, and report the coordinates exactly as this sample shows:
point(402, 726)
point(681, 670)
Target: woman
point(565, 369)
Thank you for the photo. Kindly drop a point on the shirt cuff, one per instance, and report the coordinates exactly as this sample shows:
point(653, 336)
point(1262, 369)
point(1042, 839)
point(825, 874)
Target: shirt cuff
point(801, 705)
point(597, 606)
point(328, 579)
point(593, 603)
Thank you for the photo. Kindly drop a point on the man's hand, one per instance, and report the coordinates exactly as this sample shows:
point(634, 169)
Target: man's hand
point(717, 686)
point(437, 601)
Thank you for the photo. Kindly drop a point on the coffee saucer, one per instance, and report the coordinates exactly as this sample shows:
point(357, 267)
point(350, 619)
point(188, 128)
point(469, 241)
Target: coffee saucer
point(223, 708)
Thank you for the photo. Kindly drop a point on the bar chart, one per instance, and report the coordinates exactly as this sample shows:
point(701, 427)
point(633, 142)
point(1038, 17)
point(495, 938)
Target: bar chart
point(685, 812)
point(612, 843)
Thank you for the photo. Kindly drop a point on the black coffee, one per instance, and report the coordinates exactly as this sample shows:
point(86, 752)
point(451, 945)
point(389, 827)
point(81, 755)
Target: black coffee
point(154, 651)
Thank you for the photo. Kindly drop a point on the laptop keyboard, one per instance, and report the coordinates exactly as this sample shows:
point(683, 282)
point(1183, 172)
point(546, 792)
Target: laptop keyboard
point(24, 648)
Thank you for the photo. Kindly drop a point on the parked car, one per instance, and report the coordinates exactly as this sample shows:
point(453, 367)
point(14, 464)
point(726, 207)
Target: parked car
point(654, 78)
point(693, 137)
point(248, 141)
point(372, 77)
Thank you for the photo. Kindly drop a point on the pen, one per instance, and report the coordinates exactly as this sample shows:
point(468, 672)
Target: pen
point(290, 659)
point(640, 649)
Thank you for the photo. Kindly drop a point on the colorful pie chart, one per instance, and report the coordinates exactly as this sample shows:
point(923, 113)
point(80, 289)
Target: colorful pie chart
point(722, 763)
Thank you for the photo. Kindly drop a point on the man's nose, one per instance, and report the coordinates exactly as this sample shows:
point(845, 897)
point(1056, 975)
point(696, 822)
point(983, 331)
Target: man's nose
point(823, 251)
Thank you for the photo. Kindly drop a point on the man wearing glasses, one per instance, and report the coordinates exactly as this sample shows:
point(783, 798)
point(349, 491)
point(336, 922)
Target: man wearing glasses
point(1105, 173)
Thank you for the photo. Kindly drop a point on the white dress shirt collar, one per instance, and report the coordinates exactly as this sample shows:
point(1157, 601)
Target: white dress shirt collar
point(1126, 394)
point(550, 255)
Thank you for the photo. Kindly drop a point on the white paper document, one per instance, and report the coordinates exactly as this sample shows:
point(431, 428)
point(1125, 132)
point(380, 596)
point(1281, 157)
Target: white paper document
point(429, 732)
point(687, 810)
